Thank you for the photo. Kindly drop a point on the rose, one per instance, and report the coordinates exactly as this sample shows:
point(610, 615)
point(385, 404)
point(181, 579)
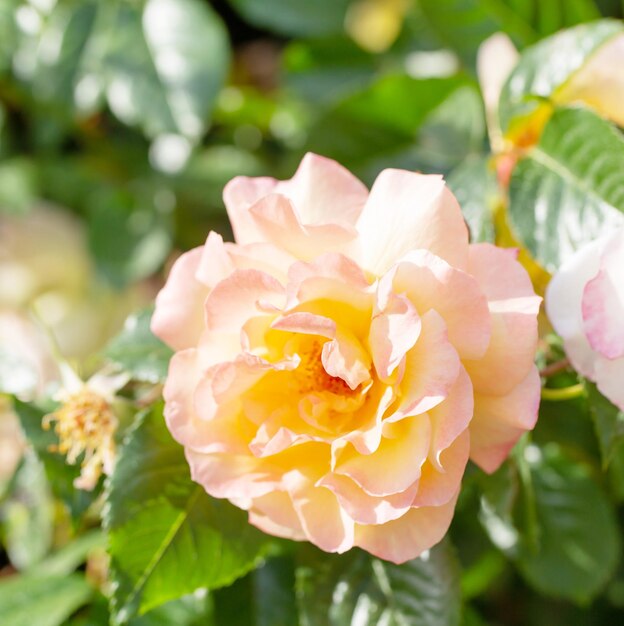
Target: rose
point(337, 366)
point(585, 303)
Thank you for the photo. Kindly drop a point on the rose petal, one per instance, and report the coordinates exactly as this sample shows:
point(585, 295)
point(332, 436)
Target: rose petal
point(499, 421)
point(178, 317)
point(401, 454)
point(409, 536)
point(431, 283)
point(431, 368)
point(406, 211)
point(603, 301)
point(513, 306)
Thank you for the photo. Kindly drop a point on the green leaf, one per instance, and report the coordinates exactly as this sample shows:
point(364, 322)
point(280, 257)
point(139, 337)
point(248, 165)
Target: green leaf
point(165, 66)
point(546, 66)
point(569, 189)
point(61, 49)
point(475, 187)
point(575, 545)
point(357, 588)
point(608, 422)
point(42, 600)
point(464, 24)
point(295, 17)
point(65, 560)
point(8, 33)
point(379, 126)
point(19, 185)
point(60, 475)
point(274, 593)
point(139, 351)
point(28, 516)
point(160, 524)
point(128, 237)
point(324, 70)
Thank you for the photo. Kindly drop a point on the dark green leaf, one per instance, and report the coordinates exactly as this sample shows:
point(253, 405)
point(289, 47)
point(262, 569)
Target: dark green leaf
point(356, 588)
point(464, 24)
point(160, 523)
point(41, 600)
point(575, 545)
point(60, 475)
point(139, 351)
point(569, 189)
point(295, 17)
point(546, 66)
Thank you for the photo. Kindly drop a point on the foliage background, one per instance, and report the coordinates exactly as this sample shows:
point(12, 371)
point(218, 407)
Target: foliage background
point(129, 117)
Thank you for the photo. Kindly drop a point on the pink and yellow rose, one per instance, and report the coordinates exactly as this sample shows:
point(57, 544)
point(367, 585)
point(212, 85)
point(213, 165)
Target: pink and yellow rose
point(339, 364)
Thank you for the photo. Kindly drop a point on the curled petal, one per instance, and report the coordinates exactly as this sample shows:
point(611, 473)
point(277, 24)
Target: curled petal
point(431, 283)
point(409, 536)
point(431, 368)
point(363, 508)
point(401, 454)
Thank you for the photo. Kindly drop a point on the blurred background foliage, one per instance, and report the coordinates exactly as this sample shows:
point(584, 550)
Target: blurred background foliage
point(120, 123)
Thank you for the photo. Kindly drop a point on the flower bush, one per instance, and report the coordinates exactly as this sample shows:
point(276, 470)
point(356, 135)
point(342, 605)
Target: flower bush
point(345, 405)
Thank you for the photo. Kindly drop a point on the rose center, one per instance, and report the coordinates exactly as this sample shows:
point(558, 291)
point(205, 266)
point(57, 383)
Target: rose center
point(311, 376)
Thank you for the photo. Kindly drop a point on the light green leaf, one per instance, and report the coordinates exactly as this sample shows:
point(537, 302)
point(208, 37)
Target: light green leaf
point(546, 66)
point(295, 17)
point(128, 237)
point(569, 189)
point(356, 588)
point(475, 187)
point(42, 600)
point(160, 524)
point(608, 422)
point(60, 51)
point(139, 351)
point(28, 516)
point(166, 65)
point(65, 560)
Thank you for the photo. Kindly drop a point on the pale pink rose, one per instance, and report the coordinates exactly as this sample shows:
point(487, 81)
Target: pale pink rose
point(585, 303)
point(339, 364)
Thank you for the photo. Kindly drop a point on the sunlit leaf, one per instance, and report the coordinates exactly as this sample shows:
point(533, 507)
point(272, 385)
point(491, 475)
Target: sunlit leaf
point(160, 524)
point(139, 351)
point(356, 588)
point(569, 189)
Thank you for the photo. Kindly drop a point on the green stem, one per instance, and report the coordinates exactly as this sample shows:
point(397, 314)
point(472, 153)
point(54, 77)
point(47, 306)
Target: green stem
point(565, 393)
